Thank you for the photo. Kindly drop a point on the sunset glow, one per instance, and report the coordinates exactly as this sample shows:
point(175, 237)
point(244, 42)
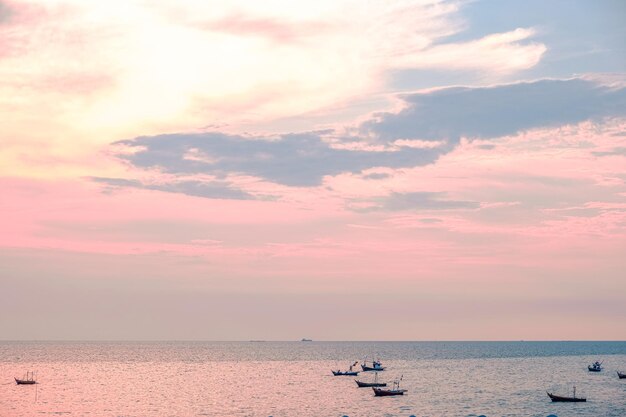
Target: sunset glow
point(305, 160)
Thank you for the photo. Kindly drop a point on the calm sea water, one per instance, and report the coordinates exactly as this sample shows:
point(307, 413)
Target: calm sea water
point(294, 378)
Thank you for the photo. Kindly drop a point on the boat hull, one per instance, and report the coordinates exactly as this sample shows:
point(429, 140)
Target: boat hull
point(621, 375)
point(339, 373)
point(24, 381)
point(379, 392)
point(559, 399)
point(370, 384)
point(592, 369)
point(369, 368)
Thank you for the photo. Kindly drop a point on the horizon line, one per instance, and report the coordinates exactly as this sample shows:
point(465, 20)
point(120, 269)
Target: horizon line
point(312, 340)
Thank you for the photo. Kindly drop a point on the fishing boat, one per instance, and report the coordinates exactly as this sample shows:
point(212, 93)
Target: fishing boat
point(345, 373)
point(29, 379)
point(595, 367)
point(376, 366)
point(621, 375)
point(572, 399)
point(395, 390)
point(349, 372)
point(362, 384)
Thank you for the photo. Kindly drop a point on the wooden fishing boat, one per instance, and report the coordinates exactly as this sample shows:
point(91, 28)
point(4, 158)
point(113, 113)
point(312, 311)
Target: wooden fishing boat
point(621, 375)
point(561, 399)
point(345, 373)
point(369, 368)
point(29, 379)
point(349, 372)
point(376, 366)
point(24, 381)
point(381, 392)
point(362, 384)
point(395, 390)
point(595, 367)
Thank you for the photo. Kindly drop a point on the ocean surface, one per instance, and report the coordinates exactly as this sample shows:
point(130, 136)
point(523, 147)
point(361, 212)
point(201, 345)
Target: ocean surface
point(124, 379)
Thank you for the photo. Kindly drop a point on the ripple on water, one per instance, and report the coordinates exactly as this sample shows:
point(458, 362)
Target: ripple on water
point(158, 380)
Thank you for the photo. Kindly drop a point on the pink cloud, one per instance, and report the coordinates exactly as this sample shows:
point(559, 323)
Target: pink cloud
point(543, 196)
point(39, 214)
point(25, 24)
point(273, 29)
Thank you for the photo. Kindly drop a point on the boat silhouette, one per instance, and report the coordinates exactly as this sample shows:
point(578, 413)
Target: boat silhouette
point(29, 379)
point(562, 399)
point(362, 384)
point(395, 390)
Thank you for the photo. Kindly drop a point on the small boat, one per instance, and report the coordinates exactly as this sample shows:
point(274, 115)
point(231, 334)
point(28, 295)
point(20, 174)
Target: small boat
point(621, 375)
point(362, 384)
point(395, 390)
point(376, 366)
point(29, 379)
point(345, 373)
point(572, 399)
point(595, 367)
point(306, 340)
point(349, 372)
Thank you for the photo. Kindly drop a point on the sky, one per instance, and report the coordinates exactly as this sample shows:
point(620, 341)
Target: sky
point(336, 170)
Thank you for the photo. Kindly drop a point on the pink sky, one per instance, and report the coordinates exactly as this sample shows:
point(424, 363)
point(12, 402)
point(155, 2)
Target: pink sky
point(203, 171)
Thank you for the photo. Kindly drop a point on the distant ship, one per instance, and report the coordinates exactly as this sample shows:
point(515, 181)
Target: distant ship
point(306, 340)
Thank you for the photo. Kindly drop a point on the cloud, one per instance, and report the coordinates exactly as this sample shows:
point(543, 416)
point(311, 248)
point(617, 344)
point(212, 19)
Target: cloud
point(489, 112)
point(376, 176)
point(498, 52)
point(5, 12)
point(412, 201)
point(275, 62)
point(620, 150)
point(206, 189)
point(294, 159)
point(442, 116)
point(271, 28)
point(117, 182)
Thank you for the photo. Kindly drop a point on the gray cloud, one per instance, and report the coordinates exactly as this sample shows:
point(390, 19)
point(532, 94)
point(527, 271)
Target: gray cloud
point(206, 189)
point(117, 182)
point(430, 220)
point(303, 159)
point(5, 12)
point(294, 159)
point(615, 151)
point(490, 112)
point(416, 201)
point(376, 176)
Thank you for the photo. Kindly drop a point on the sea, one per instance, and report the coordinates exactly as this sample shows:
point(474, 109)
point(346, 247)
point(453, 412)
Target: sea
point(257, 378)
